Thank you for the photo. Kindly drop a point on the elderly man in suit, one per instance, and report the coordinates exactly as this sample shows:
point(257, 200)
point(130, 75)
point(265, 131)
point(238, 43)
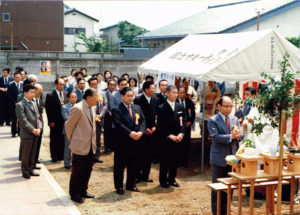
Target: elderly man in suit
point(54, 101)
point(149, 104)
point(39, 100)
point(72, 98)
point(5, 79)
point(83, 147)
point(130, 126)
point(80, 90)
point(30, 126)
point(101, 108)
point(13, 89)
point(189, 108)
point(224, 142)
point(171, 123)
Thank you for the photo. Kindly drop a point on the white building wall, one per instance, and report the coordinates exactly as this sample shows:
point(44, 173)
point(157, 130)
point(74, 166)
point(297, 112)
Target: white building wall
point(77, 21)
point(287, 24)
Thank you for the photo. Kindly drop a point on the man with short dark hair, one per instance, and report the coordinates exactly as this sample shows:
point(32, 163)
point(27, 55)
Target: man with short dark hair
point(189, 108)
point(54, 101)
point(149, 104)
point(83, 147)
point(224, 142)
point(5, 79)
point(243, 110)
point(130, 126)
point(162, 85)
point(14, 88)
point(80, 89)
point(171, 125)
point(122, 82)
point(30, 126)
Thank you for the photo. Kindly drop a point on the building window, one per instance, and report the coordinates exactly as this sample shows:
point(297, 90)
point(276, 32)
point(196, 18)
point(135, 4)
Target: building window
point(72, 31)
point(6, 17)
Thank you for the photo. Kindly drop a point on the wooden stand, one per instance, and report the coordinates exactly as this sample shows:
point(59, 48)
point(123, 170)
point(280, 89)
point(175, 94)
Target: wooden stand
point(236, 167)
point(271, 163)
point(249, 164)
point(293, 162)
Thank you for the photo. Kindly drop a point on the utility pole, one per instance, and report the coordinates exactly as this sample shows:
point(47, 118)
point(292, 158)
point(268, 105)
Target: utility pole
point(258, 17)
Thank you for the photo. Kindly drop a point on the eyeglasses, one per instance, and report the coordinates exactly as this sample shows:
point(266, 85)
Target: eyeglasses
point(228, 106)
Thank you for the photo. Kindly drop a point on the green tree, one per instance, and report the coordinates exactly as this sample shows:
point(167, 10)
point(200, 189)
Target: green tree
point(92, 43)
point(127, 33)
point(294, 40)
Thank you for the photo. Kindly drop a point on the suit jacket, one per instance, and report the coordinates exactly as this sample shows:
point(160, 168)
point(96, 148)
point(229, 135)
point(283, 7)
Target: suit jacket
point(189, 110)
point(81, 129)
point(125, 124)
point(168, 121)
point(160, 97)
point(149, 110)
point(109, 97)
point(101, 108)
point(53, 109)
point(13, 92)
point(79, 95)
point(221, 144)
point(116, 99)
point(65, 113)
point(28, 117)
point(3, 85)
point(243, 112)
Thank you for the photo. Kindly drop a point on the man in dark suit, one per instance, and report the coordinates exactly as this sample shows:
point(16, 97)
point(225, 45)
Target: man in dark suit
point(171, 125)
point(30, 126)
point(130, 126)
point(224, 142)
point(108, 131)
point(101, 108)
point(122, 82)
point(243, 110)
point(189, 108)
point(162, 85)
point(80, 89)
point(54, 101)
point(13, 89)
point(5, 79)
point(149, 104)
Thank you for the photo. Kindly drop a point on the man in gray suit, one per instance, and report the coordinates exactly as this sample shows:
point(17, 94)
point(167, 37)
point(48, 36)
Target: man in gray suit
point(72, 98)
point(225, 139)
point(30, 126)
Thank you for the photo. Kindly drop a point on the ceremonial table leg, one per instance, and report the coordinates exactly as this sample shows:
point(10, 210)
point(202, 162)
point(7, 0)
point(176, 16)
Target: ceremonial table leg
point(251, 197)
point(229, 200)
point(240, 196)
point(219, 202)
point(292, 194)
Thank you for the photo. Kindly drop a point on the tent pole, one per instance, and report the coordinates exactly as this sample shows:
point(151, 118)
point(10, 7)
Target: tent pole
point(202, 130)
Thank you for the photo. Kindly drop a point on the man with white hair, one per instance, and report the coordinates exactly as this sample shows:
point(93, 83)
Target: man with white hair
point(33, 78)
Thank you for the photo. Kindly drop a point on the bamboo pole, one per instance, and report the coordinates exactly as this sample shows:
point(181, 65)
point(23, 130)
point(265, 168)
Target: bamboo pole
point(279, 188)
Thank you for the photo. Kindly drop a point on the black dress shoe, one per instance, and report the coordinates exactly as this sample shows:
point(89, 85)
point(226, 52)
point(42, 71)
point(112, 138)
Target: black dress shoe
point(34, 174)
point(77, 199)
point(88, 196)
point(134, 189)
point(26, 175)
point(37, 167)
point(120, 191)
point(38, 161)
point(148, 180)
point(54, 160)
point(164, 185)
point(67, 167)
point(174, 184)
point(98, 160)
point(13, 135)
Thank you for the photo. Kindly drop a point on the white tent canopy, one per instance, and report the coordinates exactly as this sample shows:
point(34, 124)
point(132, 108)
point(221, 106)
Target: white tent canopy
point(224, 57)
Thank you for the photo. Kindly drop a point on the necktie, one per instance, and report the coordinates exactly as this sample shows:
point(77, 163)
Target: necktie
point(90, 109)
point(82, 92)
point(61, 98)
point(5, 80)
point(129, 110)
point(227, 124)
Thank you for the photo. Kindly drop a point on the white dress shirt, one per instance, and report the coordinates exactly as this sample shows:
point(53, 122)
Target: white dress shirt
point(172, 104)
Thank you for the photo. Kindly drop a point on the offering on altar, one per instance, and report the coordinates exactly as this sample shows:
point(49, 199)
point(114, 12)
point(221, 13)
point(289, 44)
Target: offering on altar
point(247, 147)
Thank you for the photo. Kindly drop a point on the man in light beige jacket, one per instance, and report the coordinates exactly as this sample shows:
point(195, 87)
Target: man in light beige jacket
point(81, 131)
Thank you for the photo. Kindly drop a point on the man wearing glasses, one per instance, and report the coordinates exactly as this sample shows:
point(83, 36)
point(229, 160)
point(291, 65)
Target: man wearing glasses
point(225, 138)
